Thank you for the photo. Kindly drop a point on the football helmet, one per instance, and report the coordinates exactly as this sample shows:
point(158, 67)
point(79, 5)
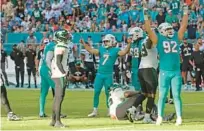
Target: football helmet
point(63, 36)
point(109, 40)
point(166, 29)
point(135, 33)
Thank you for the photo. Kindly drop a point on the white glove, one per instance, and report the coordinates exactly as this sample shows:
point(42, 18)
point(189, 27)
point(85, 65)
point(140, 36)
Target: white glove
point(124, 66)
point(146, 14)
point(120, 66)
point(185, 9)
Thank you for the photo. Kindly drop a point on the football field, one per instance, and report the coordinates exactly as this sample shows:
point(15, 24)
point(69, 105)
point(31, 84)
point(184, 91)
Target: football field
point(78, 104)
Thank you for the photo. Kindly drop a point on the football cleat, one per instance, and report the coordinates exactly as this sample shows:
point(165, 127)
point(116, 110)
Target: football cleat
point(43, 116)
point(63, 116)
point(59, 125)
point(131, 113)
point(93, 114)
point(159, 121)
point(13, 117)
point(171, 101)
point(178, 121)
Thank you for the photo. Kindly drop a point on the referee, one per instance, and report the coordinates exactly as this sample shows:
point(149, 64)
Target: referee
point(30, 64)
point(197, 61)
point(18, 58)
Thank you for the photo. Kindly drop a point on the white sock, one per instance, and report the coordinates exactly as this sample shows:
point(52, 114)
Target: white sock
point(95, 109)
point(147, 115)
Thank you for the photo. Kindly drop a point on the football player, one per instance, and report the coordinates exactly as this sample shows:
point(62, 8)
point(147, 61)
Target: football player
point(59, 71)
point(104, 77)
point(167, 42)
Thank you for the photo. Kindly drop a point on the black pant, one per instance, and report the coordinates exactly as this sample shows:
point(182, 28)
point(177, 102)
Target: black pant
point(3, 69)
point(19, 70)
point(4, 99)
point(90, 68)
point(117, 73)
point(199, 73)
point(58, 98)
point(33, 71)
point(148, 80)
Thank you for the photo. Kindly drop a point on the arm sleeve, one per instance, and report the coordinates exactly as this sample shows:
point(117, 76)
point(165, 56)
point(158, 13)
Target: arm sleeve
point(59, 64)
point(39, 56)
point(49, 58)
point(148, 44)
point(12, 55)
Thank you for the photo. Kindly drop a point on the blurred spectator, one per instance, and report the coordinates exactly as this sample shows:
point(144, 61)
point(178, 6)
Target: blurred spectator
point(37, 13)
point(77, 12)
point(31, 39)
point(7, 9)
point(191, 30)
point(112, 18)
point(56, 8)
point(170, 17)
point(20, 9)
point(175, 7)
point(48, 13)
point(18, 58)
point(153, 14)
point(160, 17)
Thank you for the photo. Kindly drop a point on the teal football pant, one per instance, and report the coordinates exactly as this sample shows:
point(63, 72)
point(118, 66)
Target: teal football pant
point(46, 83)
point(135, 80)
point(100, 81)
point(167, 79)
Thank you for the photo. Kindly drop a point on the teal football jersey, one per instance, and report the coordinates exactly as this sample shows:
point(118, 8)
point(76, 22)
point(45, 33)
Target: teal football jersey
point(169, 54)
point(49, 47)
point(135, 53)
point(107, 59)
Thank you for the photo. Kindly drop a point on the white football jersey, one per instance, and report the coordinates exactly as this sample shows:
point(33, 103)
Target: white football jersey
point(56, 73)
point(88, 56)
point(71, 53)
point(116, 98)
point(148, 57)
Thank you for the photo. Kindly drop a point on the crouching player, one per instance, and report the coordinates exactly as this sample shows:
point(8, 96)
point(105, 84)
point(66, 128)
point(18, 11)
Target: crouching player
point(122, 100)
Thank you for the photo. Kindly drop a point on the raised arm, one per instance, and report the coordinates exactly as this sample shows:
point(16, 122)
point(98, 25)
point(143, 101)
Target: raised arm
point(150, 32)
point(184, 23)
point(88, 48)
point(127, 49)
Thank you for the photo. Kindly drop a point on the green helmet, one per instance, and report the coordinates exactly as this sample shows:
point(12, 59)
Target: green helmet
point(116, 85)
point(62, 36)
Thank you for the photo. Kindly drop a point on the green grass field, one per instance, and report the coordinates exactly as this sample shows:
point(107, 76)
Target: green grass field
point(78, 104)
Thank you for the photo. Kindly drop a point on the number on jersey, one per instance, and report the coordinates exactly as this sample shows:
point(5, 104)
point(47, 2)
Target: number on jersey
point(144, 51)
point(106, 56)
point(170, 47)
point(134, 52)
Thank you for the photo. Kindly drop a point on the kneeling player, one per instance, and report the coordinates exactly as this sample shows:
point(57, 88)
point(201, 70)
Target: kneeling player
point(121, 102)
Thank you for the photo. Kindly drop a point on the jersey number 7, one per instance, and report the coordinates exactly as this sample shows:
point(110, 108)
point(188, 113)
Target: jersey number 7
point(105, 59)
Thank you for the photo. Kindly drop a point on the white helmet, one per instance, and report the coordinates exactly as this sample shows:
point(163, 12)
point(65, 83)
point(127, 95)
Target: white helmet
point(135, 33)
point(45, 41)
point(166, 29)
point(109, 40)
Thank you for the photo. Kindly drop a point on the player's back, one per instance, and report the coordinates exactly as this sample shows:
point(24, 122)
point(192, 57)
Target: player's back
point(168, 49)
point(107, 59)
point(49, 47)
